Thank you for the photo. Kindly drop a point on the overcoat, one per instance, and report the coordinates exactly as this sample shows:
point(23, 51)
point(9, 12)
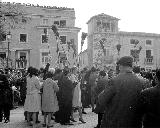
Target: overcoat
point(119, 100)
point(150, 107)
point(49, 98)
point(66, 91)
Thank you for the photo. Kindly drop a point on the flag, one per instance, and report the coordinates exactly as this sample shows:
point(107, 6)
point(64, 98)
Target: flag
point(57, 48)
point(55, 30)
point(83, 37)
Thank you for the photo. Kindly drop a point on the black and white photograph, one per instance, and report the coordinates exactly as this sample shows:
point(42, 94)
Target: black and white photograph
point(79, 64)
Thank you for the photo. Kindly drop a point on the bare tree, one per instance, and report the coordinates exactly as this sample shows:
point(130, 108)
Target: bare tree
point(11, 16)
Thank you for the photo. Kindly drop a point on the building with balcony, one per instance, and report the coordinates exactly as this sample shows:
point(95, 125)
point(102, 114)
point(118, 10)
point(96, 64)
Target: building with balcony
point(33, 42)
point(106, 44)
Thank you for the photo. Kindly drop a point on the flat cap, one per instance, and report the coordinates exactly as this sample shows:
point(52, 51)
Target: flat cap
point(125, 61)
point(102, 73)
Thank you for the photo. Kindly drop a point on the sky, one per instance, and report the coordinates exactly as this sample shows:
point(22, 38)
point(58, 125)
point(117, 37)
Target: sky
point(134, 15)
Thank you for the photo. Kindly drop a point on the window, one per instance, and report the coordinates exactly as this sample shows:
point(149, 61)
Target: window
point(56, 23)
point(98, 23)
point(2, 55)
point(148, 42)
point(45, 21)
point(112, 27)
point(62, 23)
point(45, 31)
point(134, 41)
point(24, 20)
point(63, 39)
point(108, 26)
point(45, 58)
point(149, 54)
point(45, 38)
point(62, 57)
point(23, 55)
point(23, 38)
point(104, 24)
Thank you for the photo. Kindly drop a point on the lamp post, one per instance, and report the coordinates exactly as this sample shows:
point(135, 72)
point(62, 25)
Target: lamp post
point(8, 39)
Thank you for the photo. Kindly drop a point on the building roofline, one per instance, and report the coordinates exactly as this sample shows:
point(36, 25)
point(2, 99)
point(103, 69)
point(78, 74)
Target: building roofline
point(102, 15)
point(40, 6)
point(138, 34)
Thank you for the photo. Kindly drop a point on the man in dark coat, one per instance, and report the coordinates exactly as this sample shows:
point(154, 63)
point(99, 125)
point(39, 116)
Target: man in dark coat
point(6, 98)
point(119, 99)
point(65, 98)
point(101, 84)
point(92, 84)
point(150, 105)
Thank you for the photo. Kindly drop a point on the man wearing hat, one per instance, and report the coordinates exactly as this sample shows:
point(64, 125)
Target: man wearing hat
point(119, 99)
point(101, 84)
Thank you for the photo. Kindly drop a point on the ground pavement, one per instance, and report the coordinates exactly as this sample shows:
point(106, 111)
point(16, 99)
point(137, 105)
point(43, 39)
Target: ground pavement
point(17, 120)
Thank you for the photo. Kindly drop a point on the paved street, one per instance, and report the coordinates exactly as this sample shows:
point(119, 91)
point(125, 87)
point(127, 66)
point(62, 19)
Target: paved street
point(17, 120)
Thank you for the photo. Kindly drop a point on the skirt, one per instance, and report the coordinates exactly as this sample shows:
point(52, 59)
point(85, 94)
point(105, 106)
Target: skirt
point(32, 103)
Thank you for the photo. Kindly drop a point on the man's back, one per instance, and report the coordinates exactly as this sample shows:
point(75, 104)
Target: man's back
point(120, 100)
point(151, 107)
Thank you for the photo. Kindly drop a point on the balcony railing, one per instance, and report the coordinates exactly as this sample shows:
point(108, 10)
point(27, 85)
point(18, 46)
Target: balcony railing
point(21, 63)
point(149, 61)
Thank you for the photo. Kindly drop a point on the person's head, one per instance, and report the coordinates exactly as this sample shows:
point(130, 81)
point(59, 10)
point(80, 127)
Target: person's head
point(19, 73)
point(49, 74)
point(58, 71)
point(93, 70)
point(1, 72)
point(29, 70)
point(66, 71)
point(102, 74)
point(51, 70)
point(74, 70)
point(136, 69)
point(125, 63)
point(158, 75)
point(33, 72)
point(84, 69)
point(149, 76)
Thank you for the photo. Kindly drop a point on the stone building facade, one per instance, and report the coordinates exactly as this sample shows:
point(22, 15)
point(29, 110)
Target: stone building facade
point(106, 44)
point(33, 42)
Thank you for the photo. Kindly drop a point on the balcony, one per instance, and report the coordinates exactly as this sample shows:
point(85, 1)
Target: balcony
point(21, 63)
point(149, 61)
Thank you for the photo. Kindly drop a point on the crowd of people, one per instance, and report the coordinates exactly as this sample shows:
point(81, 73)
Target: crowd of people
point(125, 98)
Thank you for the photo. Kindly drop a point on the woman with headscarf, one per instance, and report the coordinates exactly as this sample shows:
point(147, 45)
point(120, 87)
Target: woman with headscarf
point(49, 98)
point(33, 100)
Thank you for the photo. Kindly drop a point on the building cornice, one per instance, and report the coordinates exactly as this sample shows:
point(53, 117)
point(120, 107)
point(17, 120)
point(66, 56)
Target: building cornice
point(140, 34)
point(51, 16)
point(24, 49)
point(60, 28)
